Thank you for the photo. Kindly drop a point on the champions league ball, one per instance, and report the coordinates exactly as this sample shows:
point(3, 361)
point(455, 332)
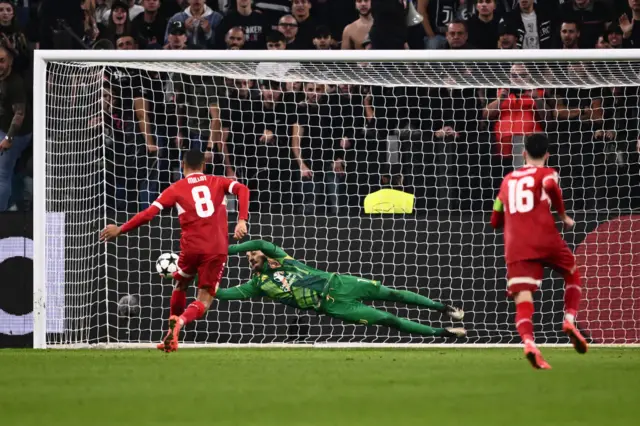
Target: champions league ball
point(167, 264)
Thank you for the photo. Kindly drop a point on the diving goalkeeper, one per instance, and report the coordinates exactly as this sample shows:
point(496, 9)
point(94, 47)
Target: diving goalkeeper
point(286, 280)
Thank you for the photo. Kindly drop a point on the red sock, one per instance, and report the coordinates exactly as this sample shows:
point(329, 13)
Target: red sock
point(524, 322)
point(194, 311)
point(178, 302)
point(572, 293)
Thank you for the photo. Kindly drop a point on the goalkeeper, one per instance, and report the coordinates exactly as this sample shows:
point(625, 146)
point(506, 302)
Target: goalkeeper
point(286, 280)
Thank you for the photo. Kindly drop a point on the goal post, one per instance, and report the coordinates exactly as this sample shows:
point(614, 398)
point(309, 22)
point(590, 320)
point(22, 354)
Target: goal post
point(416, 121)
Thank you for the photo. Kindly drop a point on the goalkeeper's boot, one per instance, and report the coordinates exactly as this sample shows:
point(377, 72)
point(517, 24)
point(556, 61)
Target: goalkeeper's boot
point(170, 341)
point(534, 356)
point(577, 339)
point(454, 313)
point(454, 332)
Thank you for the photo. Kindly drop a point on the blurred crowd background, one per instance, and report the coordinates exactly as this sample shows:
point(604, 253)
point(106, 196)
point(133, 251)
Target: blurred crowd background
point(319, 149)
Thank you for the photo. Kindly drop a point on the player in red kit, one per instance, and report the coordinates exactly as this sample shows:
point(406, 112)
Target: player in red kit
point(532, 242)
point(201, 203)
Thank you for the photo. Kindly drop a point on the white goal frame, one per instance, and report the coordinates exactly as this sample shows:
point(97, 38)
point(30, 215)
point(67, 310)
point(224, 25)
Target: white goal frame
point(43, 57)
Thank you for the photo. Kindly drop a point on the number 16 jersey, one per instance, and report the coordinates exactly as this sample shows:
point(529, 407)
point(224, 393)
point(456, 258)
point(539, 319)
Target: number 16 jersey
point(201, 203)
point(529, 226)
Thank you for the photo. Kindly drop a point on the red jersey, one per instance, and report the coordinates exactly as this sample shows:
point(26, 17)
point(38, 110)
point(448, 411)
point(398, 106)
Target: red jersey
point(201, 203)
point(527, 195)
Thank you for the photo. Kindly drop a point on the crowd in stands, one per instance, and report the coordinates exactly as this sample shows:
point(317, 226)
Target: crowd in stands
point(315, 148)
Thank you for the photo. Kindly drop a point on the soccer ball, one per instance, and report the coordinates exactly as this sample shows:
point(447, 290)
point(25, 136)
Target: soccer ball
point(128, 306)
point(167, 264)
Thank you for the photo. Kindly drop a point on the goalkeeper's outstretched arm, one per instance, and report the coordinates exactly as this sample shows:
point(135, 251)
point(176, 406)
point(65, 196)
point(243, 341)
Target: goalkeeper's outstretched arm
point(241, 292)
point(269, 249)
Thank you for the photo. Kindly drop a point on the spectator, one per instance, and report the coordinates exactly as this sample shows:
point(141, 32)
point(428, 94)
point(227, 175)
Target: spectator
point(13, 38)
point(60, 25)
point(102, 12)
point(90, 26)
point(457, 36)
point(615, 37)
point(579, 114)
point(235, 39)
point(119, 22)
point(389, 29)
point(602, 42)
point(126, 42)
point(171, 7)
point(131, 6)
point(517, 113)
point(570, 35)
point(252, 23)
point(199, 126)
point(592, 16)
point(534, 25)
point(200, 22)
point(323, 40)
point(483, 27)
point(150, 26)
point(289, 27)
point(236, 115)
point(320, 161)
point(355, 33)
point(276, 41)
point(631, 32)
point(15, 123)
point(177, 38)
point(301, 11)
point(273, 10)
point(268, 160)
point(508, 38)
point(437, 15)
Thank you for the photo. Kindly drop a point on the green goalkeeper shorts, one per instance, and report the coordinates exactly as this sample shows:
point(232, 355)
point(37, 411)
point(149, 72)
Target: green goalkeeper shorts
point(344, 300)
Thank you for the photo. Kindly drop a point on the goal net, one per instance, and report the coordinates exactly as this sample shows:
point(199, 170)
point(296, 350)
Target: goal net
point(312, 136)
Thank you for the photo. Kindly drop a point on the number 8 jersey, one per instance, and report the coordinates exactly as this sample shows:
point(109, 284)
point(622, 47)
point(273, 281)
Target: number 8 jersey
point(201, 203)
point(524, 203)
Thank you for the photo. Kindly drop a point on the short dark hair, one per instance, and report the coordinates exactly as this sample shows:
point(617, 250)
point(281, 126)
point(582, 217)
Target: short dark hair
point(571, 22)
point(193, 159)
point(322, 31)
point(276, 37)
point(459, 22)
point(536, 145)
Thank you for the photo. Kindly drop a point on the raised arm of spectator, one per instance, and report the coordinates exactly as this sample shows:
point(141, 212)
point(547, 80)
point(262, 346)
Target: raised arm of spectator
point(141, 106)
point(563, 112)
point(369, 113)
point(422, 8)
point(219, 137)
point(297, 133)
point(492, 110)
point(19, 107)
point(594, 111)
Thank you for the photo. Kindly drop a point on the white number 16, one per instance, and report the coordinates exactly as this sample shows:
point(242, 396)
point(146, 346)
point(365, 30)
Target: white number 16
point(520, 196)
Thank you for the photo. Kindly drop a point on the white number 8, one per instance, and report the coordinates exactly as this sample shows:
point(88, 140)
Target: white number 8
point(520, 196)
point(202, 198)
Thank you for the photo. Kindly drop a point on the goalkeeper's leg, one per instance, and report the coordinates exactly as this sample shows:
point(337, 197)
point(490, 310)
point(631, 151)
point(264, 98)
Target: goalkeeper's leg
point(360, 313)
point(411, 298)
point(364, 289)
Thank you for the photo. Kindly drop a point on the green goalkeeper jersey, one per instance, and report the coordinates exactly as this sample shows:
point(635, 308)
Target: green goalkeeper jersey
point(283, 279)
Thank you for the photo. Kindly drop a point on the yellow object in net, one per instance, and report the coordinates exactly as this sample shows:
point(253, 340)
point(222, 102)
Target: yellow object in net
point(390, 201)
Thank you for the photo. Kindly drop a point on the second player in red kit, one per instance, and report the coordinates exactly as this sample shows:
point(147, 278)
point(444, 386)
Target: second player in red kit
point(532, 242)
point(201, 204)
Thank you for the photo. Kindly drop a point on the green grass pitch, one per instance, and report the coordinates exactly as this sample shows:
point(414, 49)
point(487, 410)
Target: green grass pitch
point(283, 387)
